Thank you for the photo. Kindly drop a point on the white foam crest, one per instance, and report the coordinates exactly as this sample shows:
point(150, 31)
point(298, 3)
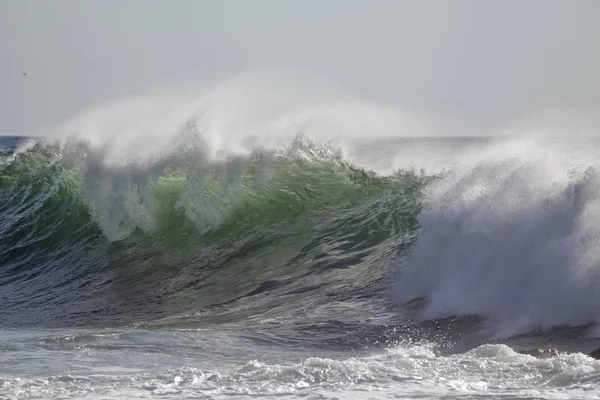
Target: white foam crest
point(125, 139)
point(512, 233)
point(236, 116)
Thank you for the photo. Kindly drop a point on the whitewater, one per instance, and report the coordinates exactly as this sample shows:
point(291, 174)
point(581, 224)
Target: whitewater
point(247, 243)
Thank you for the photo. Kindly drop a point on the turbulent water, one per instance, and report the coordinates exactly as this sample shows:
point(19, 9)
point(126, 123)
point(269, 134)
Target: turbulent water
point(380, 268)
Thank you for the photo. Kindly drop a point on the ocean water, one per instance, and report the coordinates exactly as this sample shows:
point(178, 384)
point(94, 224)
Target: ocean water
point(135, 265)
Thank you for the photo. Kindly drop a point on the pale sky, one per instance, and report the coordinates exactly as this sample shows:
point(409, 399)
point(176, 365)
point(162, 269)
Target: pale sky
point(479, 60)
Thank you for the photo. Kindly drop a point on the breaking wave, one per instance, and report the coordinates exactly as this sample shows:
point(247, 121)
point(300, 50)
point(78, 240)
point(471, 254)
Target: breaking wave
point(512, 234)
point(219, 209)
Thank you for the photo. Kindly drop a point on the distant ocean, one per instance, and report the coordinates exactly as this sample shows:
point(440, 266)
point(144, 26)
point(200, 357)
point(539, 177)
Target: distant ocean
point(375, 268)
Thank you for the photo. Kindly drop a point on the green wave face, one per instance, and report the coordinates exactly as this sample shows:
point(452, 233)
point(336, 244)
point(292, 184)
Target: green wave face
point(185, 232)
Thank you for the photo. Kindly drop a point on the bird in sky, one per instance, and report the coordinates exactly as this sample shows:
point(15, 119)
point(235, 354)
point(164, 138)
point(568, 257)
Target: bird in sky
point(24, 73)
